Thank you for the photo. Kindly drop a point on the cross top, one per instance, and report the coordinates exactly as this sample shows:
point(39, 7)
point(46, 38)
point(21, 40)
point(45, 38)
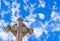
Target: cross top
point(20, 19)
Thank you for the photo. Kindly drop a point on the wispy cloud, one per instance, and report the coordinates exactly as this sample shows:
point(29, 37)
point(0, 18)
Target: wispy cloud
point(2, 23)
point(0, 4)
point(7, 3)
point(25, 1)
point(30, 19)
point(15, 12)
point(55, 16)
point(26, 7)
point(7, 36)
point(3, 35)
point(54, 7)
point(25, 38)
point(41, 4)
point(41, 16)
point(56, 29)
point(38, 32)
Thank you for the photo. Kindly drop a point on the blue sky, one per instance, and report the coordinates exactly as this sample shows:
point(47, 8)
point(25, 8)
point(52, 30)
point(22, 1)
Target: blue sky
point(41, 15)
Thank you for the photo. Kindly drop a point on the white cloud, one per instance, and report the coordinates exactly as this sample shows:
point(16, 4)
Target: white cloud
point(25, 1)
point(32, 5)
point(30, 19)
point(55, 2)
point(3, 13)
point(7, 36)
point(59, 38)
point(7, 3)
point(41, 4)
point(15, 5)
point(41, 16)
point(25, 38)
point(15, 8)
point(30, 8)
point(11, 36)
point(54, 7)
point(13, 18)
point(43, 25)
point(1, 30)
point(55, 29)
point(55, 16)
point(37, 32)
point(44, 39)
point(2, 23)
point(3, 35)
point(46, 31)
point(0, 4)
point(15, 12)
point(26, 7)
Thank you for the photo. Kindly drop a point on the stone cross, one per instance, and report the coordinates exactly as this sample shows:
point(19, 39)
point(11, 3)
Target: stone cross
point(20, 29)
